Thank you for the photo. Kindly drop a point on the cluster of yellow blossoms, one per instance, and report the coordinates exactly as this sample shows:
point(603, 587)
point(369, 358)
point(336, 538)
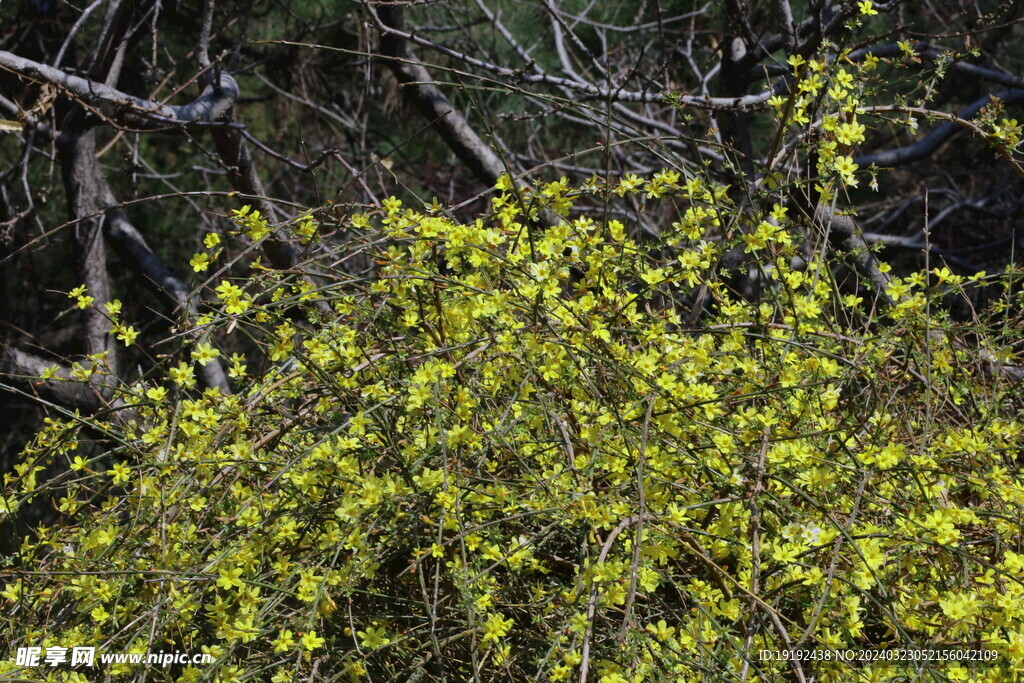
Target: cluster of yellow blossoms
point(519, 451)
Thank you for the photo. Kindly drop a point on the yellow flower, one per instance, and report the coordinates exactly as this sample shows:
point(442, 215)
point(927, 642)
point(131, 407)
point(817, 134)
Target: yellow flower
point(211, 240)
point(662, 631)
point(373, 637)
point(157, 394)
point(226, 290)
point(237, 370)
point(120, 472)
point(631, 183)
point(284, 641)
point(851, 133)
point(200, 262)
point(311, 641)
point(867, 8)
point(504, 182)
point(845, 167)
point(204, 353)
point(496, 627)
point(79, 293)
point(183, 375)
point(126, 334)
point(230, 578)
point(812, 84)
point(837, 93)
point(944, 275)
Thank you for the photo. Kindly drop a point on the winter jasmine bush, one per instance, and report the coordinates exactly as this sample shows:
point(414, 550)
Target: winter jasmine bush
point(536, 446)
point(510, 454)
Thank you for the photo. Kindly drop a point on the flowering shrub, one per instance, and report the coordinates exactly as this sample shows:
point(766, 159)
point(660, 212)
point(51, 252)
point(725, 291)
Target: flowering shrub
point(510, 453)
point(531, 445)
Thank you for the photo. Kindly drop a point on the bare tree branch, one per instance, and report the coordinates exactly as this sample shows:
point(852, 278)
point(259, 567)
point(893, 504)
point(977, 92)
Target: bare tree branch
point(215, 103)
point(212, 104)
point(24, 370)
point(205, 26)
point(585, 89)
point(937, 135)
point(430, 101)
point(84, 187)
point(133, 249)
point(74, 31)
point(846, 236)
point(784, 14)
